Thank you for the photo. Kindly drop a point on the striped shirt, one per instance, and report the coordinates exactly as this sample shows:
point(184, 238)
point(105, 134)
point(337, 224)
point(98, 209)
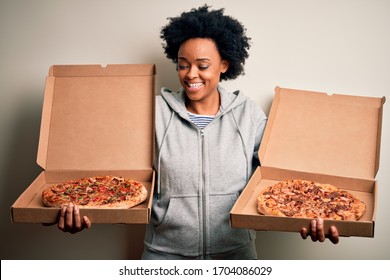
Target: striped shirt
point(200, 120)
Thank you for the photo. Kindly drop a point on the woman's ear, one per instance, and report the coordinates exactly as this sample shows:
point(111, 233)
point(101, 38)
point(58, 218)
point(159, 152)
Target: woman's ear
point(224, 66)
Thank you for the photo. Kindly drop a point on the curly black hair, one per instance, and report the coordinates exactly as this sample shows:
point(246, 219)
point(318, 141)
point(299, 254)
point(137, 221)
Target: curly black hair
point(227, 33)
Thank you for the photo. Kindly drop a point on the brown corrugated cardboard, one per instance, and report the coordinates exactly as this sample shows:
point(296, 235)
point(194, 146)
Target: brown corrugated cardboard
point(95, 121)
point(325, 138)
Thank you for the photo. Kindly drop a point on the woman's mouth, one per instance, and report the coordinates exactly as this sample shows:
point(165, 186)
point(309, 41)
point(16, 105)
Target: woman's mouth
point(194, 86)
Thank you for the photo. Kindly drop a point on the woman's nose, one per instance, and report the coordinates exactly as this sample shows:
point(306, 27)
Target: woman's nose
point(192, 72)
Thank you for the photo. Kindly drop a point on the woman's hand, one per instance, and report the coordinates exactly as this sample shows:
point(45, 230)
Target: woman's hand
point(317, 232)
point(70, 220)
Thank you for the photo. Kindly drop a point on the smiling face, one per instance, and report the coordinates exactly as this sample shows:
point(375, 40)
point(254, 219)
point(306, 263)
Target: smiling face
point(199, 69)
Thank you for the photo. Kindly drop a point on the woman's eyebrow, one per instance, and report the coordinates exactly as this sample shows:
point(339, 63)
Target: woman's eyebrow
point(198, 59)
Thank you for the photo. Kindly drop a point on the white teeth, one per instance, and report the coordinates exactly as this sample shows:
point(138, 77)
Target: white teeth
point(195, 85)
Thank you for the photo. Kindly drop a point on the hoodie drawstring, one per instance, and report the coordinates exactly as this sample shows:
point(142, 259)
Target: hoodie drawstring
point(243, 144)
point(159, 157)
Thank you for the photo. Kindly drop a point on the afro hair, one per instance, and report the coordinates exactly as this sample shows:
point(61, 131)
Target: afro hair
point(227, 33)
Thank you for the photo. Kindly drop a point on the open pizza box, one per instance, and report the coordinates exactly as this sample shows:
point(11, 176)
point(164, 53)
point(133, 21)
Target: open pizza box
point(95, 121)
point(325, 138)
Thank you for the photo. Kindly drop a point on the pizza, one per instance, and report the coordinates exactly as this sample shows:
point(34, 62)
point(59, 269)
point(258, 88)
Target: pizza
point(308, 199)
point(96, 192)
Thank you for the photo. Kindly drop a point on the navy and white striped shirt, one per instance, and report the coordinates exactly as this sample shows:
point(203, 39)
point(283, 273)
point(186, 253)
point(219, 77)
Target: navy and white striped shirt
point(200, 121)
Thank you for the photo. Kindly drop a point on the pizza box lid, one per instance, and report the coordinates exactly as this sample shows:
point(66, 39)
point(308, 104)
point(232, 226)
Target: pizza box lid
point(316, 132)
point(98, 118)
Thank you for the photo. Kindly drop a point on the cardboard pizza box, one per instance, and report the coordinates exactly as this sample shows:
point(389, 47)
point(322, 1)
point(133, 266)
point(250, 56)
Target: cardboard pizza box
point(95, 121)
point(326, 138)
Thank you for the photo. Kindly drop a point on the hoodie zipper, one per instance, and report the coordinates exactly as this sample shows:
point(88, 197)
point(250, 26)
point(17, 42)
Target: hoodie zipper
point(203, 187)
point(203, 197)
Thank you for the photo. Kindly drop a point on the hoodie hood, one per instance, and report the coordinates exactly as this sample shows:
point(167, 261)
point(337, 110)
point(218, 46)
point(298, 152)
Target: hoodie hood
point(176, 100)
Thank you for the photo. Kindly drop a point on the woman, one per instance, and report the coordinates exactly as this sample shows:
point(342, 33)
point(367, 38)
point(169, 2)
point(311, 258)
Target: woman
point(207, 142)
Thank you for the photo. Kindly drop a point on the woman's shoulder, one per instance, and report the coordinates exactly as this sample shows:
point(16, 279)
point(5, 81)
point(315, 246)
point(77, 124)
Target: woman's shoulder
point(248, 106)
point(161, 97)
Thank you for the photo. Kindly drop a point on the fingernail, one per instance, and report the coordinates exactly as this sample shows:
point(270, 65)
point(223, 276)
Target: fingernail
point(85, 220)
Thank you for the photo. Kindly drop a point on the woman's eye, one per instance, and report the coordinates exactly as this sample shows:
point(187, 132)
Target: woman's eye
point(203, 67)
point(182, 67)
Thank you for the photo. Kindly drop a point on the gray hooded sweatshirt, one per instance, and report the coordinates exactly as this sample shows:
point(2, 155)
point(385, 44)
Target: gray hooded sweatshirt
point(200, 174)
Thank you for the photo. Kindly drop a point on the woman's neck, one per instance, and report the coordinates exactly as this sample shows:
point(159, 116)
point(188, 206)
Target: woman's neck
point(208, 107)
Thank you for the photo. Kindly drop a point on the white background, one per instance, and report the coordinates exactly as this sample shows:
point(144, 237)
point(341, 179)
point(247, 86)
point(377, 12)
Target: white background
point(335, 46)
